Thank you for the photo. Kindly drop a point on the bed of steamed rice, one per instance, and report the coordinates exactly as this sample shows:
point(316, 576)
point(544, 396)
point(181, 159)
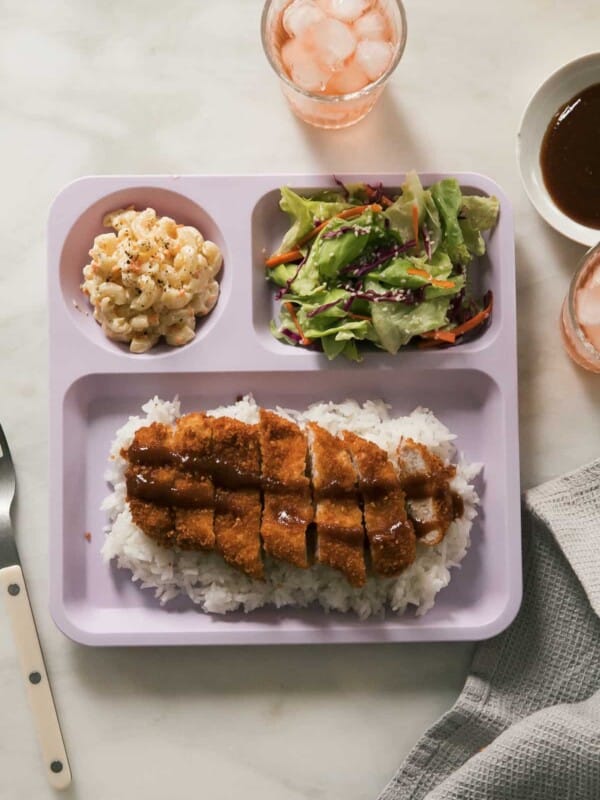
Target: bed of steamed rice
point(218, 588)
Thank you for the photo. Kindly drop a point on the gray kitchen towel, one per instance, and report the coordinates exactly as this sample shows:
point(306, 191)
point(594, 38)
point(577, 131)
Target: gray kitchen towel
point(527, 723)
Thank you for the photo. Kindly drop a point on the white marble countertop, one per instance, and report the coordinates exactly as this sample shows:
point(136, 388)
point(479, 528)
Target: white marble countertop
point(183, 87)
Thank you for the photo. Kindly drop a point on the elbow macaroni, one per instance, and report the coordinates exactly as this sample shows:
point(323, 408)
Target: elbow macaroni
point(150, 279)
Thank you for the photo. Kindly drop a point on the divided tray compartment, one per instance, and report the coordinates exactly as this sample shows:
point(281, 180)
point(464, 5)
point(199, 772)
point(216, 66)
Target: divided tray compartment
point(95, 384)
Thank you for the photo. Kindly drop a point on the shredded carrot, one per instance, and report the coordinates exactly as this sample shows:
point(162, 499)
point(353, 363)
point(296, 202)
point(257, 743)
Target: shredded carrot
point(371, 193)
point(293, 255)
point(415, 222)
point(421, 273)
point(428, 344)
point(440, 336)
point(475, 321)
point(303, 340)
point(358, 316)
point(283, 258)
point(450, 337)
point(347, 213)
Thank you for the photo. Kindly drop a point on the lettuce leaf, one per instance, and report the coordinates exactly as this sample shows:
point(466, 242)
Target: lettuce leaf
point(329, 300)
point(282, 274)
point(307, 281)
point(479, 214)
point(396, 274)
point(303, 212)
point(459, 282)
point(350, 351)
point(332, 347)
point(349, 260)
point(431, 220)
point(400, 212)
point(396, 323)
point(317, 327)
point(332, 254)
point(448, 199)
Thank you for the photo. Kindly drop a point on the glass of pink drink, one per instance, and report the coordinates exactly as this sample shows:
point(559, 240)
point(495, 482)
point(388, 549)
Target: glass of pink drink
point(333, 57)
point(580, 317)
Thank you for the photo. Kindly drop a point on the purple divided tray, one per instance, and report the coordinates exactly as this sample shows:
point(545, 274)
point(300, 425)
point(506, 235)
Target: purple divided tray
point(95, 384)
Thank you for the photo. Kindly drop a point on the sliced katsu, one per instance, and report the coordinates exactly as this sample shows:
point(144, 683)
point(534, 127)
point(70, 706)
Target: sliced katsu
point(287, 503)
point(340, 532)
point(236, 461)
point(425, 480)
point(150, 449)
point(390, 533)
point(216, 483)
point(194, 521)
point(169, 469)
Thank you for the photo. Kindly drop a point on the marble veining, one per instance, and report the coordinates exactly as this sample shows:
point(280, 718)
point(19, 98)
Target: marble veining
point(184, 87)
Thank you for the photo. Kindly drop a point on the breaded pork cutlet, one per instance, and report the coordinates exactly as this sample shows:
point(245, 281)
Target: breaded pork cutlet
point(159, 474)
point(287, 502)
point(157, 522)
point(340, 532)
point(152, 446)
point(192, 441)
point(150, 449)
point(425, 480)
point(389, 532)
point(236, 460)
point(216, 483)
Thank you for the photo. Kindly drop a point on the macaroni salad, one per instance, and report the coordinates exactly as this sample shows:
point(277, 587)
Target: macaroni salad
point(151, 278)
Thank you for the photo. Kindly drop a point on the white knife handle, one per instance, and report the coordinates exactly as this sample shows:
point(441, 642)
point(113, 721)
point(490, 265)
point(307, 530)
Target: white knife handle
point(12, 587)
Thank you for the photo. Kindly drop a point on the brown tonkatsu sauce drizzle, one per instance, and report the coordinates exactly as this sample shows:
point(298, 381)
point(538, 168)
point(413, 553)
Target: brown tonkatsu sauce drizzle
point(222, 473)
point(420, 489)
point(147, 487)
point(152, 456)
point(458, 506)
point(143, 484)
point(570, 157)
point(299, 496)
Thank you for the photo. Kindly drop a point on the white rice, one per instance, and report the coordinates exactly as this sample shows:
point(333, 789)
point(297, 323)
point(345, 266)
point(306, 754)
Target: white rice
point(218, 588)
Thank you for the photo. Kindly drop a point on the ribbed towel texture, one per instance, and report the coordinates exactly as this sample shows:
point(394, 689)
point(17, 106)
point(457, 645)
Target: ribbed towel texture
point(527, 723)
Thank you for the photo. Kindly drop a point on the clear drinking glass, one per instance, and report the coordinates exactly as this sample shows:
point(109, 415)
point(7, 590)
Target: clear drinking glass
point(579, 337)
point(330, 110)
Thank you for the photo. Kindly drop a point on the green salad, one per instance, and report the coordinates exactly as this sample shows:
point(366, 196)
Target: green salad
point(359, 266)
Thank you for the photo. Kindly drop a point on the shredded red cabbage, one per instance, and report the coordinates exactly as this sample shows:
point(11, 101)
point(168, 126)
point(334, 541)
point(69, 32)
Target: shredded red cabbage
point(291, 335)
point(377, 192)
point(461, 309)
point(342, 186)
point(379, 258)
point(409, 297)
point(285, 289)
point(322, 308)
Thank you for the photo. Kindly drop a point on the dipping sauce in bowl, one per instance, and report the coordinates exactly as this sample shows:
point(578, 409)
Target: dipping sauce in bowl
point(570, 157)
point(558, 149)
point(580, 318)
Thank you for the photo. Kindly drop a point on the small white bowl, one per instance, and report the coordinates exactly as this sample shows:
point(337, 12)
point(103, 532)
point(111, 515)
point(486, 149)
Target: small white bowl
point(560, 87)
